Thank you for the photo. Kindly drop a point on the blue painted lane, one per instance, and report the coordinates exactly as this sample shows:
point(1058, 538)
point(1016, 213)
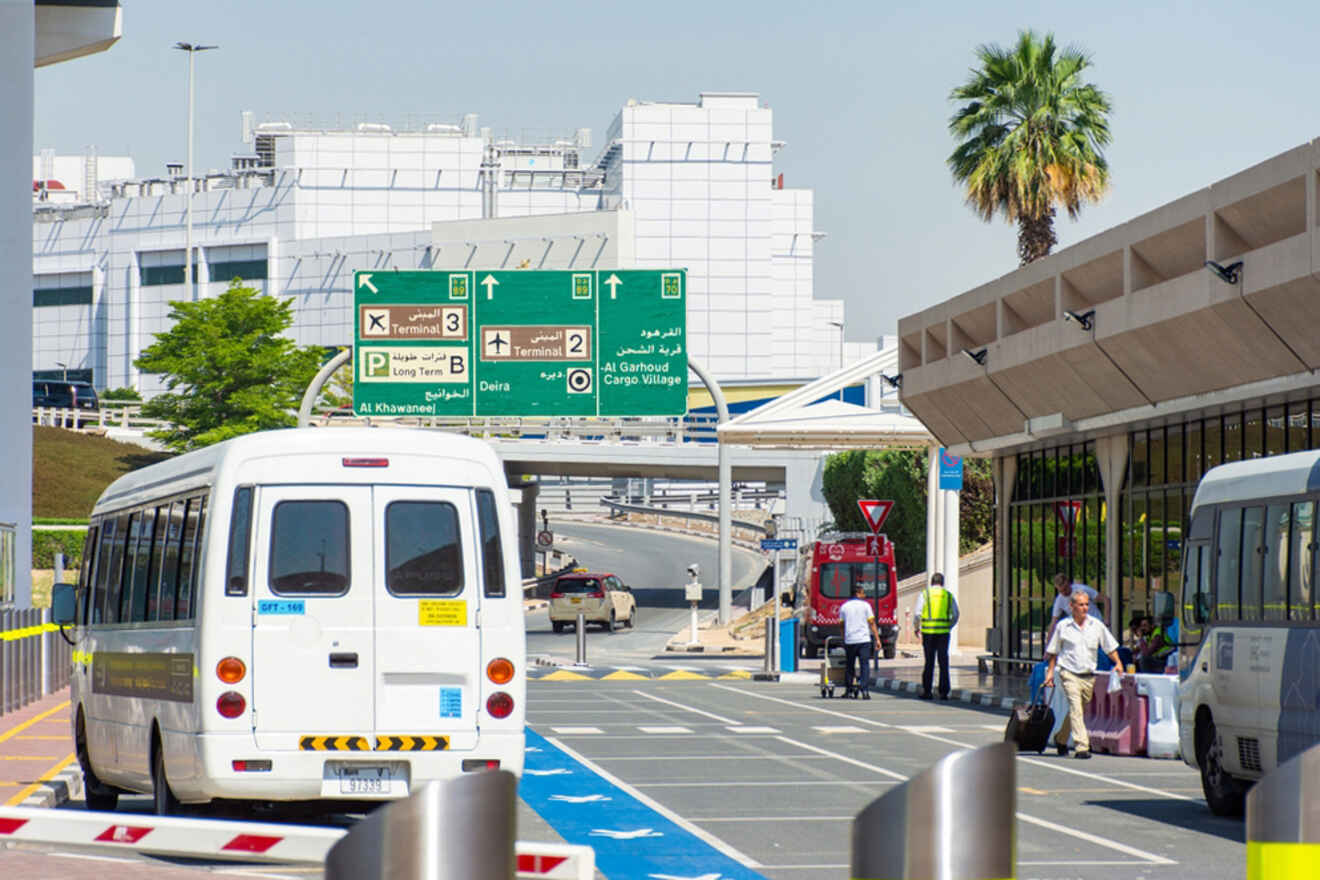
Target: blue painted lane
point(632, 840)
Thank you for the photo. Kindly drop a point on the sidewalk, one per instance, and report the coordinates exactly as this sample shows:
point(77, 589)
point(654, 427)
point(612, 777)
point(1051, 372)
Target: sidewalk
point(903, 675)
point(37, 764)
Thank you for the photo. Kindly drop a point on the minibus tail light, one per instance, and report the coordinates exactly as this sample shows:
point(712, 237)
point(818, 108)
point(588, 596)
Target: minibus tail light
point(366, 462)
point(472, 764)
point(499, 670)
point(230, 670)
point(499, 705)
point(231, 704)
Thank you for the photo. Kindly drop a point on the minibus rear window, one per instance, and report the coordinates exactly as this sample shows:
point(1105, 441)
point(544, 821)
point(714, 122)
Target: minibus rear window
point(309, 548)
point(423, 556)
point(838, 578)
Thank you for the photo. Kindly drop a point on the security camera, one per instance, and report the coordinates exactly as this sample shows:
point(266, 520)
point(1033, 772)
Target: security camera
point(1083, 318)
point(1227, 274)
point(976, 357)
point(694, 570)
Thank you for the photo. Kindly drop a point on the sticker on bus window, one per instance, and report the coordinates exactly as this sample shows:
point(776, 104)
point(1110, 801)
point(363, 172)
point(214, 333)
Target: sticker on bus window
point(281, 606)
point(451, 702)
point(442, 612)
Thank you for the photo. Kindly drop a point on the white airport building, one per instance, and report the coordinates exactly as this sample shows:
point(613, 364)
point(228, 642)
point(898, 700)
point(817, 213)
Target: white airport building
point(689, 185)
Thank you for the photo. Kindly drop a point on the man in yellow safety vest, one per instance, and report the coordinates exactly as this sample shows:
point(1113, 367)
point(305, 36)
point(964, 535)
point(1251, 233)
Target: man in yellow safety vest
point(936, 617)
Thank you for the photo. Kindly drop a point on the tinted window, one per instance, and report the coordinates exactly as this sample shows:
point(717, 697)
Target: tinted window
point(309, 548)
point(189, 553)
point(170, 533)
point(118, 602)
point(838, 578)
point(106, 563)
point(577, 585)
point(86, 575)
point(1230, 561)
point(240, 538)
point(1253, 558)
point(1301, 561)
point(143, 574)
point(422, 552)
point(1274, 581)
point(492, 551)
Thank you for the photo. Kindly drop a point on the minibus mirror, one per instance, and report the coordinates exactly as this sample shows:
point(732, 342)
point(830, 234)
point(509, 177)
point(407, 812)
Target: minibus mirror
point(63, 603)
point(1163, 607)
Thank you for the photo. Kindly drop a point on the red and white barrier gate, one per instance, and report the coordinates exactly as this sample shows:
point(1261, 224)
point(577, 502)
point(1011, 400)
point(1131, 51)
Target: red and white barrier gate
point(240, 841)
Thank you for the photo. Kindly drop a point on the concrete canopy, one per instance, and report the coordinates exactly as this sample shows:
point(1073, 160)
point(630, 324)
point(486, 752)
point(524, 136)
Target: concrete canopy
point(1132, 321)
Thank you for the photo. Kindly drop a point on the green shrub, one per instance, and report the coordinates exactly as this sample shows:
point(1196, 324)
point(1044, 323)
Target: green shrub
point(120, 394)
point(46, 543)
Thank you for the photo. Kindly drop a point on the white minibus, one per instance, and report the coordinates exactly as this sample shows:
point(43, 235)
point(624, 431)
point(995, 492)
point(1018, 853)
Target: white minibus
point(1249, 649)
point(299, 615)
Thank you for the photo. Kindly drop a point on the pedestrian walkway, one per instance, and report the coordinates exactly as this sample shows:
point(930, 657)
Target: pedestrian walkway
point(35, 746)
point(903, 675)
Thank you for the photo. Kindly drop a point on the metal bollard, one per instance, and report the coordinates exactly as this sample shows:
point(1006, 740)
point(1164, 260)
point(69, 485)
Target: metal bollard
point(975, 841)
point(581, 639)
point(458, 829)
point(1283, 820)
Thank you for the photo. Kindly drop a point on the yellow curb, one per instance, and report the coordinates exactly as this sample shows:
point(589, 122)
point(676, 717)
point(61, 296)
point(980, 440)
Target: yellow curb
point(737, 673)
point(623, 675)
point(683, 675)
point(565, 675)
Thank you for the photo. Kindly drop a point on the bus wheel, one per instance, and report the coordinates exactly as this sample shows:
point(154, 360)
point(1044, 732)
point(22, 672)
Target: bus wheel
point(96, 794)
point(1223, 793)
point(166, 803)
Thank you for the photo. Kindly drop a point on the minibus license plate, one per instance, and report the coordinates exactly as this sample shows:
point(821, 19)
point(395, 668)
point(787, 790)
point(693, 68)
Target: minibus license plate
point(366, 780)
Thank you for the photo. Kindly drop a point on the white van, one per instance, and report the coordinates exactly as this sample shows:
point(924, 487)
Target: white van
point(300, 615)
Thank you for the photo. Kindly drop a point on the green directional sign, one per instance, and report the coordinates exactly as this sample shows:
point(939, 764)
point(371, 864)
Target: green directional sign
point(520, 343)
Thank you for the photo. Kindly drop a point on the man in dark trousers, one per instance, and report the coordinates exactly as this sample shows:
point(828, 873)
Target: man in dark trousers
point(859, 637)
point(936, 616)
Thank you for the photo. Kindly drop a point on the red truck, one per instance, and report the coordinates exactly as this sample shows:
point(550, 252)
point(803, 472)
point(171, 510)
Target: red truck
point(827, 572)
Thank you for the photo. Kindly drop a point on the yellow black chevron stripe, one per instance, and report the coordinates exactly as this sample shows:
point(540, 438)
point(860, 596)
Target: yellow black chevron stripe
point(334, 744)
point(411, 743)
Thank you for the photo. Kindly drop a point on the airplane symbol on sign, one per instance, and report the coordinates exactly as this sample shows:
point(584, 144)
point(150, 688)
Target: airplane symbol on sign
point(496, 341)
point(377, 322)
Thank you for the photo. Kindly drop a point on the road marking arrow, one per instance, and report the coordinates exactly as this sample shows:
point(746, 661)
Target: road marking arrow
point(489, 283)
point(364, 280)
point(580, 799)
point(558, 771)
point(613, 283)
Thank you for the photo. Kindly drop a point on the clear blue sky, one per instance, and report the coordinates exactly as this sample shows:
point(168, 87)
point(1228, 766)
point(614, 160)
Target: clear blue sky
point(1200, 91)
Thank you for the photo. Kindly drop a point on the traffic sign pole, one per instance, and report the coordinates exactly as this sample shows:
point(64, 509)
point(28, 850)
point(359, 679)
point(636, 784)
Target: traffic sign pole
point(726, 495)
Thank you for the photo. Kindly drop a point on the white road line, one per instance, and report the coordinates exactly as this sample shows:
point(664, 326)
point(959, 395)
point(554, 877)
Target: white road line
point(845, 759)
point(576, 731)
point(776, 819)
point(720, 718)
point(1055, 765)
point(923, 728)
point(777, 783)
point(828, 729)
point(814, 867)
point(751, 728)
point(713, 757)
point(801, 706)
point(669, 814)
point(1075, 862)
point(664, 729)
point(1094, 838)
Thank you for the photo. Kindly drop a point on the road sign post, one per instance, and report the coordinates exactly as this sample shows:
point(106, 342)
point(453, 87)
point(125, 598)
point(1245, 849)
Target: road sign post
point(520, 343)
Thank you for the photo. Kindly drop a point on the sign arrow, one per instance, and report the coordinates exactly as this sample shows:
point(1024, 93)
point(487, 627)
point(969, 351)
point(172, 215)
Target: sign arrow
point(613, 283)
point(364, 280)
point(489, 283)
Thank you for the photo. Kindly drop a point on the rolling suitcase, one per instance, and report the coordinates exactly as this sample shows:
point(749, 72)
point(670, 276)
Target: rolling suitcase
point(1030, 724)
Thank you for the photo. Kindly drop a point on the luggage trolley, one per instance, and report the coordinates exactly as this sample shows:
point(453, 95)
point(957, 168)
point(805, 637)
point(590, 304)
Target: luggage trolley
point(833, 667)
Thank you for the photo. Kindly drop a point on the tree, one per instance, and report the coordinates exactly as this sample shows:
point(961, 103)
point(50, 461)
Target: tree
point(227, 368)
point(900, 476)
point(1030, 138)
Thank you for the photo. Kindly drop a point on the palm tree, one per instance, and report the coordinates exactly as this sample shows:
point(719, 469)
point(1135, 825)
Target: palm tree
point(1030, 137)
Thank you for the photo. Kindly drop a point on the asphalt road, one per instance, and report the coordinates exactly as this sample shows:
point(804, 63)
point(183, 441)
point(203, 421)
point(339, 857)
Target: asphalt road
point(769, 777)
point(647, 561)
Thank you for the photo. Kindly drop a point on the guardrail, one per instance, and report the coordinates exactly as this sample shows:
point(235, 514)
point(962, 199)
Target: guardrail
point(617, 507)
point(108, 416)
point(34, 658)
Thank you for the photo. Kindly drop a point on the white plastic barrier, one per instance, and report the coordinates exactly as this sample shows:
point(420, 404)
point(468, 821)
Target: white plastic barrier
point(1161, 692)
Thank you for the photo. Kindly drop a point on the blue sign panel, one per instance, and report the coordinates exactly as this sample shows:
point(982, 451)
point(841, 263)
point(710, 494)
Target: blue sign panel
point(779, 543)
point(951, 471)
point(451, 702)
point(281, 606)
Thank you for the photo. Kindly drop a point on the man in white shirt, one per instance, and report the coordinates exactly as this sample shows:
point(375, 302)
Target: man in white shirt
point(1073, 647)
point(860, 637)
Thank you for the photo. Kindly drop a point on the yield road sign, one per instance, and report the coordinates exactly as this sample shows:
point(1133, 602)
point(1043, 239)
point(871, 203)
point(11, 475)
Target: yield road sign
point(874, 511)
point(529, 343)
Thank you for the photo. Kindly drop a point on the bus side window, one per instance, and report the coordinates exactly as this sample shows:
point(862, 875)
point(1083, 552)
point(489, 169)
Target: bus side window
point(171, 533)
point(151, 606)
point(105, 560)
point(85, 579)
point(1274, 582)
point(1253, 558)
point(188, 552)
point(240, 537)
point(1228, 580)
point(135, 601)
point(116, 603)
point(492, 550)
point(1301, 561)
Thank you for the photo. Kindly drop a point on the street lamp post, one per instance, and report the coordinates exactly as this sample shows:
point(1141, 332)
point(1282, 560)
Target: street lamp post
point(192, 49)
point(65, 367)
